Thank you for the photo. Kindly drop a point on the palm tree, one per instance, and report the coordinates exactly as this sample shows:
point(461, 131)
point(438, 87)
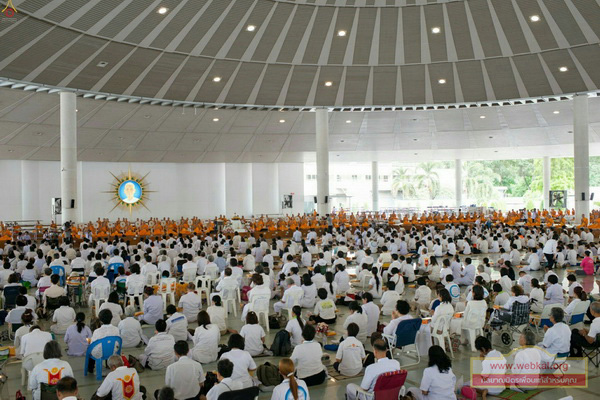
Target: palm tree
point(402, 182)
point(480, 182)
point(428, 179)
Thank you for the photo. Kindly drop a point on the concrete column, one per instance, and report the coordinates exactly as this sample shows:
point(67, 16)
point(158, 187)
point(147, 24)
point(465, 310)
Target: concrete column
point(238, 189)
point(547, 173)
point(322, 129)
point(581, 149)
point(68, 156)
point(30, 191)
point(375, 184)
point(265, 189)
point(458, 182)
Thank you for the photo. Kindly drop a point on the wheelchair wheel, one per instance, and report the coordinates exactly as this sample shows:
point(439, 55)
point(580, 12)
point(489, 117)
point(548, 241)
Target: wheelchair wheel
point(506, 338)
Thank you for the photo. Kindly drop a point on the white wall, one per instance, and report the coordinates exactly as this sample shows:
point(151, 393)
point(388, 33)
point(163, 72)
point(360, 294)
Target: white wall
point(177, 190)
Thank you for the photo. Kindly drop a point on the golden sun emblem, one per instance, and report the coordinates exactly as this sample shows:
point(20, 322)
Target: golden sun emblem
point(129, 191)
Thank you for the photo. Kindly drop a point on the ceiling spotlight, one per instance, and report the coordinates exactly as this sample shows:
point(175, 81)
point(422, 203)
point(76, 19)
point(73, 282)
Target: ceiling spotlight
point(146, 116)
point(163, 10)
point(11, 151)
point(534, 18)
point(76, 110)
point(281, 121)
point(414, 140)
point(348, 121)
point(102, 64)
point(342, 141)
point(342, 33)
point(39, 133)
point(491, 137)
point(441, 81)
point(328, 83)
point(556, 112)
point(251, 28)
point(563, 69)
point(215, 119)
point(217, 79)
point(436, 29)
point(482, 116)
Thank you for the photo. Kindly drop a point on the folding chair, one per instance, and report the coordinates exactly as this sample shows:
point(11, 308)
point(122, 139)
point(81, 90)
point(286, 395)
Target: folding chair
point(405, 335)
point(592, 352)
point(387, 386)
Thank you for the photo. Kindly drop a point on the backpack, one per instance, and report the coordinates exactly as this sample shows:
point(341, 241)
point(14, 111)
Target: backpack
point(277, 321)
point(268, 374)
point(282, 345)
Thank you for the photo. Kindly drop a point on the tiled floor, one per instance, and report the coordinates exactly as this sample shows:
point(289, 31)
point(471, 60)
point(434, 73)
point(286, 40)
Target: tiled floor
point(155, 379)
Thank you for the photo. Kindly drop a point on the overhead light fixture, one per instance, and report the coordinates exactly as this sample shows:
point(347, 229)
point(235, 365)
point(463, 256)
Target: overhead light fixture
point(39, 133)
point(76, 110)
point(342, 141)
point(342, 33)
point(563, 69)
point(491, 137)
point(482, 116)
point(328, 83)
point(337, 155)
point(534, 18)
point(121, 138)
point(11, 151)
point(163, 10)
point(436, 29)
point(495, 151)
point(441, 81)
point(102, 64)
point(217, 79)
point(215, 119)
point(556, 112)
point(415, 139)
point(147, 116)
point(281, 121)
point(348, 121)
point(251, 28)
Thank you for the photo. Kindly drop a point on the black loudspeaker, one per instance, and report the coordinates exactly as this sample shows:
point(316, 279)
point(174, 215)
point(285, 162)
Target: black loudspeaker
point(326, 199)
point(72, 203)
point(315, 198)
point(582, 196)
point(591, 196)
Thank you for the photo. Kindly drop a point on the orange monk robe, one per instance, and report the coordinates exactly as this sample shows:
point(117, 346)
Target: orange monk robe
point(584, 222)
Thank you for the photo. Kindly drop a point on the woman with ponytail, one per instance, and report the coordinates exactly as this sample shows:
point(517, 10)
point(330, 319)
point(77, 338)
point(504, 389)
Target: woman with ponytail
point(291, 388)
point(375, 287)
point(77, 336)
point(295, 326)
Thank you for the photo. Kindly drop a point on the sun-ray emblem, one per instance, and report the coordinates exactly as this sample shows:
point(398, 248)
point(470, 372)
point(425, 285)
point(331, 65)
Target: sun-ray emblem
point(129, 191)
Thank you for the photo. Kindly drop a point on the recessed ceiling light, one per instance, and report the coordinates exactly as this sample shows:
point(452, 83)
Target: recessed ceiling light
point(217, 79)
point(342, 33)
point(76, 110)
point(146, 116)
point(436, 29)
point(491, 137)
point(281, 121)
point(163, 10)
point(342, 141)
point(556, 112)
point(534, 18)
point(39, 133)
point(11, 151)
point(441, 81)
point(196, 140)
point(482, 116)
point(251, 28)
point(102, 64)
point(215, 119)
point(414, 140)
point(328, 83)
point(563, 69)
point(348, 121)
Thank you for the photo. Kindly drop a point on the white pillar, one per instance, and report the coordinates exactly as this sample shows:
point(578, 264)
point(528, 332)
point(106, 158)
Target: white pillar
point(547, 173)
point(322, 129)
point(375, 185)
point(30, 190)
point(265, 189)
point(238, 189)
point(581, 146)
point(68, 155)
point(458, 182)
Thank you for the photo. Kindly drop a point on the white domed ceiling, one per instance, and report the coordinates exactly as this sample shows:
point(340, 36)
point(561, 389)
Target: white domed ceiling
point(336, 53)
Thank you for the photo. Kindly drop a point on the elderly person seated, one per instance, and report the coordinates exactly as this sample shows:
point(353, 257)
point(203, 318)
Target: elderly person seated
point(557, 338)
point(49, 371)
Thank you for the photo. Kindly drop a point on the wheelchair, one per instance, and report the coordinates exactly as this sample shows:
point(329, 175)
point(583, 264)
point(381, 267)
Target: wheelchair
point(507, 323)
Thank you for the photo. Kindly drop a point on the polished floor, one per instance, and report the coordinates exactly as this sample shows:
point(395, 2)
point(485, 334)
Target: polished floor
point(153, 380)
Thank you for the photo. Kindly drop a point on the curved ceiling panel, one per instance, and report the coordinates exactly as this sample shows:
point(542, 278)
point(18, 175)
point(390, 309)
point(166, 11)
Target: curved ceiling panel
point(341, 53)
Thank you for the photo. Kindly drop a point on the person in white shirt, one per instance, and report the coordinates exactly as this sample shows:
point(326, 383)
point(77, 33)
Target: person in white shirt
point(32, 343)
point(372, 372)
point(527, 363)
point(153, 307)
point(158, 354)
point(554, 292)
point(225, 383)
point(389, 299)
point(131, 333)
point(438, 380)
point(122, 383)
point(350, 354)
point(307, 358)
point(359, 317)
point(292, 293)
point(64, 316)
point(182, 374)
point(422, 297)
point(493, 363)
point(106, 330)
point(49, 371)
point(115, 308)
point(324, 309)
point(467, 276)
point(550, 251)
point(290, 388)
point(206, 339)
point(177, 324)
point(372, 312)
point(400, 314)
point(254, 336)
point(66, 388)
point(295, 326)
point(557, 339)
point(243, 364)
point(190, 303)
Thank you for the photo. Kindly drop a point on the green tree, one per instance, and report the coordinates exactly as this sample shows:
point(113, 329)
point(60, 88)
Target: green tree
point(427, 179)
point(480, 182)
point(402, 182)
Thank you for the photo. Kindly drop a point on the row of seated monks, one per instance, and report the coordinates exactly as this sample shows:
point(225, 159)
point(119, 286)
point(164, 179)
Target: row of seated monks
point(104, 228)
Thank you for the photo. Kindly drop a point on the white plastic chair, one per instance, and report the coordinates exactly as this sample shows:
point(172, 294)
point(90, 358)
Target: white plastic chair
point(228, 295)
point(204, 285)
point(135, 290)
point(294, 300)
point(440, 331)
point(35, 359)
point(188, 276)
point(152, 278)
point(578, 315)
point(474, 324)
point(166, 289)
point(99, 295)
point(260, 305)
point(364, 283)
